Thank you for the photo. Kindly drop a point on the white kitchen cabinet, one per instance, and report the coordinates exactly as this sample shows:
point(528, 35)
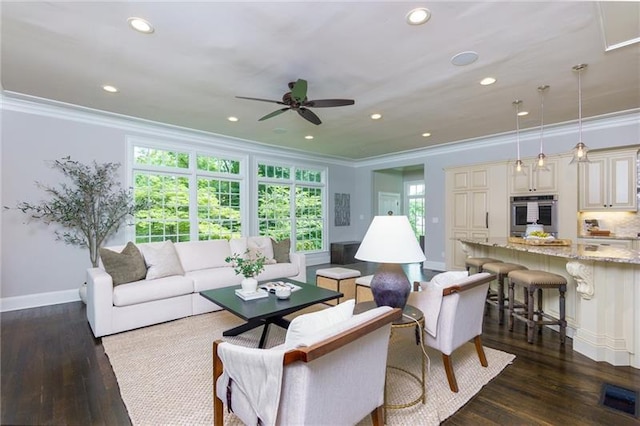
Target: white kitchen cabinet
point(609, 181)
point(628, 244)
point(476, 207)
point(538, 181)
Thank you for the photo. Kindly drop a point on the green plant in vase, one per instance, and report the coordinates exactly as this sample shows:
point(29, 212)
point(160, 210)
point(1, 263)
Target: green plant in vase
point(249, 267)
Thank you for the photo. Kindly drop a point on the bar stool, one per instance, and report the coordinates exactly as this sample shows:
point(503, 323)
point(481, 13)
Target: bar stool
point(477, 262)
point(501, 271)
point(533, 280)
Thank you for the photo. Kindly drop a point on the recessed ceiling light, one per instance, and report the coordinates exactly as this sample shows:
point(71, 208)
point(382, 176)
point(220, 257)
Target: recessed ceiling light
point(308, 137)
point(464, 58)
point(426, 135)
point(523, 113)
point(376, 116)
point(487, 81)
point(110, 89)
point(232, 118)
point(418, 16)
point(140, 25)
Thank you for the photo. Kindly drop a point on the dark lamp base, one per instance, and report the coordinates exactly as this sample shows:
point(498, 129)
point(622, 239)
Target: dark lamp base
point(390, 286)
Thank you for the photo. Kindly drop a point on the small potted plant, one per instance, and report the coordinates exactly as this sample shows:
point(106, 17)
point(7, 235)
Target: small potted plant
point(248, 267)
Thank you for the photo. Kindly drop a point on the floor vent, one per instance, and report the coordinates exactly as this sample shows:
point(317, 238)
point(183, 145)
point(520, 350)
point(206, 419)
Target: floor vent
point(620, 399)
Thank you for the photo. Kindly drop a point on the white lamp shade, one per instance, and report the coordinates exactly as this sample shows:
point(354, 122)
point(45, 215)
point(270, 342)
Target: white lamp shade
point(390, 239)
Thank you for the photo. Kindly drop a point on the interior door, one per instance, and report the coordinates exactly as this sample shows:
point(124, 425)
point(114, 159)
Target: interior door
point(388, 203)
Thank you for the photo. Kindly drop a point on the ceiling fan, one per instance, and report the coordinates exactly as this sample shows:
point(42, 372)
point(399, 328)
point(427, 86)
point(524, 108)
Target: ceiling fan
point(297, 100)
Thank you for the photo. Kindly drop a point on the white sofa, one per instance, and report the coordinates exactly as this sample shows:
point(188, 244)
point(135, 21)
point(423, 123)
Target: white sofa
point(150, 301)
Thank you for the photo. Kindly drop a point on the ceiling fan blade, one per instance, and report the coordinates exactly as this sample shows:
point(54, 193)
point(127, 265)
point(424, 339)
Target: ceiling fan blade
point(261, 100)
point(274, 113)
point(323, 103)
point(308, 115)
point(299, 90)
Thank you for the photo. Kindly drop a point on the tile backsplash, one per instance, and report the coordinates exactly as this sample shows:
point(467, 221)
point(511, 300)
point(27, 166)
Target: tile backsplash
point(621, 224)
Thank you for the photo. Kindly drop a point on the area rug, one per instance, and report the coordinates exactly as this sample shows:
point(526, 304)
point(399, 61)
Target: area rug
point(165, 372)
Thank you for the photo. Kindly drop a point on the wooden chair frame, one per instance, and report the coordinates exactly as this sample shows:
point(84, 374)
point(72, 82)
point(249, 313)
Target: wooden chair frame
point(308, 354)
point(477, 340)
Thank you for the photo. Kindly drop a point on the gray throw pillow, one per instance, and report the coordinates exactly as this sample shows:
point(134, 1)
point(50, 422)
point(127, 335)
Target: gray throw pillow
point(281, 250)
point(126, 266)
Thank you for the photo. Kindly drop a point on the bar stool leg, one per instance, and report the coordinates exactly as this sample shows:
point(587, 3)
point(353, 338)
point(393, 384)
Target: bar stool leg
point(501, 299)
point(531, 325)
point(563, 322)
point(511, 297)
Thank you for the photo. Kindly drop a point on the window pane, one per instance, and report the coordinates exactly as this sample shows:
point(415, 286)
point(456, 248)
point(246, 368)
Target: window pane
point(167, 217)
point(160, 157)
point(218, 210)
point(309, 219)
point(274, 211)
point(214, 164)
point(274, 172)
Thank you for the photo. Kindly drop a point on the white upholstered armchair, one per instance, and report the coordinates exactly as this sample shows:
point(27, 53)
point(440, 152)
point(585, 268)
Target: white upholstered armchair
point(453, 305)
point(334, 376)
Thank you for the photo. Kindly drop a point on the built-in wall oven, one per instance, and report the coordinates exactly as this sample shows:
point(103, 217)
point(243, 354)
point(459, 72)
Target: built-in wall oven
point(547, 213)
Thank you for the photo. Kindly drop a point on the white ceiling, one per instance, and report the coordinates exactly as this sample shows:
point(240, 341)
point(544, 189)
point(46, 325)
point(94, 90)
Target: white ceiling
point(203, 54)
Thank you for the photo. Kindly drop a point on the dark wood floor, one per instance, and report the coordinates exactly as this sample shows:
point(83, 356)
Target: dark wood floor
point(55, 373)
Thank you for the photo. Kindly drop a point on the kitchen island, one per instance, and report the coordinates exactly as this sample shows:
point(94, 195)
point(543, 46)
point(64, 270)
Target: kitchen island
point(603, 292)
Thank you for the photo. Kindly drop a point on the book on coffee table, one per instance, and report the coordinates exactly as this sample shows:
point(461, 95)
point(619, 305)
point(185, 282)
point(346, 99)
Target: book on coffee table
point(272, 286)
point(251, 295)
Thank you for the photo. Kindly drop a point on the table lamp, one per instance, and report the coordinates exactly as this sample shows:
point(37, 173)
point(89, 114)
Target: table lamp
point(390, 241)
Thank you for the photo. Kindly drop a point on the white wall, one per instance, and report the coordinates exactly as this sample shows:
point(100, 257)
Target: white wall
point(34, 268)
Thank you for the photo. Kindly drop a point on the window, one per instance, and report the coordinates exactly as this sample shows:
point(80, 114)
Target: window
point(190, 195)
point(291, 204)
point(415, 206)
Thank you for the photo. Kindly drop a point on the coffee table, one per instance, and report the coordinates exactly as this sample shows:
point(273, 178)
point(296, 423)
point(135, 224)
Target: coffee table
point(268, 310)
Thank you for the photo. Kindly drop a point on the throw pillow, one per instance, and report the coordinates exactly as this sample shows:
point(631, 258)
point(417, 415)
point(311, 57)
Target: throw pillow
point(261, 246)
point(281, 250)
point(303, 327)
point(161, 259)
point(124, 267)
point(238, 245)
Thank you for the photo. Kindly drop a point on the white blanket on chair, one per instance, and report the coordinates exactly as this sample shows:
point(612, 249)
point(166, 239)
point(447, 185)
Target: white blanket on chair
point(258, 374)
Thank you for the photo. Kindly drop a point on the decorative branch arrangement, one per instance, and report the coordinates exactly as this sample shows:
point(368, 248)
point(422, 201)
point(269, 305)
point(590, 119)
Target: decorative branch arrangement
point(91, 207)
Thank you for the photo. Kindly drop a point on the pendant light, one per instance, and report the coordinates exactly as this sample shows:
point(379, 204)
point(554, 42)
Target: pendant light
point(540, 161)
point(517, 167)
point(580, 150)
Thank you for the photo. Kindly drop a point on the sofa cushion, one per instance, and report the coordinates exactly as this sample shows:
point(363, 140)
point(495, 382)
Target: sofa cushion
point(161, 259)
point(149, 290)
point(278, 270)
point(281, 250)
point(305, 326)
point(124, 267)
point(238, 245)
point(209, 279)
point(195, 255)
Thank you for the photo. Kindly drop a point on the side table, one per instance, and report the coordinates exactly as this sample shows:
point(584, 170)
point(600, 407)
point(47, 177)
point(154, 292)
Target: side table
point(412, 317)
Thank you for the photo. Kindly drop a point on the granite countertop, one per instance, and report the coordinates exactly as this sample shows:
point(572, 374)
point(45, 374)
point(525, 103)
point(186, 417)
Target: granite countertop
point(595, 253)
point(610, 237)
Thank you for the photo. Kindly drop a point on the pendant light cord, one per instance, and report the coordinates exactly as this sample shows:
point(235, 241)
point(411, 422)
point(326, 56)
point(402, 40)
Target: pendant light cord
point(580, 105)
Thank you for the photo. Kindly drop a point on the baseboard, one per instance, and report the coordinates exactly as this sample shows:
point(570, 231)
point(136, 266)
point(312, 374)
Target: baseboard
point(434, 266)
point(36, 300)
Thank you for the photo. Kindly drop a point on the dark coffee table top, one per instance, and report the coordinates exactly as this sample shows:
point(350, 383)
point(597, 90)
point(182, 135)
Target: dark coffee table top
point(411, 314)
point(270, 306)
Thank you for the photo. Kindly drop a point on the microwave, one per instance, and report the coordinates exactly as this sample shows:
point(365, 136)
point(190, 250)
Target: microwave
point(547, 213)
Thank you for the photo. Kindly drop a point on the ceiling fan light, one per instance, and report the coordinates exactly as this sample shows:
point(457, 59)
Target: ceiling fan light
point(418, 16)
